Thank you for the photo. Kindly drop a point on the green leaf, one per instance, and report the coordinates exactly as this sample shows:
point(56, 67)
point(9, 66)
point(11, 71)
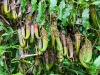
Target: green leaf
point(95, 66)
point(98, 47)
point(23, 5)
point(66, 15)
point(80, 71)
point(1, 69)
point(97, 61)
point(61, 7)
point(67, 62)
point(53, 4)
point(1, 63)
point(2, 48)
point(1, 23)
point(93, 70)
point(96, 2)
point(1, 28)
point(41, 13)
point(80, 1)
point(85, 13)
point(9, 33)
point(18, 73)
point(34, 5)
point(54, 74)
point(85, 18)
point(67, 11)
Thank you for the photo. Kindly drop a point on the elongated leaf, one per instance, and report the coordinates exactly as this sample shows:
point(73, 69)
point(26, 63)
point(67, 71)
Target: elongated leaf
point(61, 7)
point(96, 2)
point(23, 5)
point(66, 14)
point(34, 5)
point(67, 11)
point(41, 13)
point(53, 4)
point(98, 47)
point(97, 61)
point(80, 71)
point(85, 18)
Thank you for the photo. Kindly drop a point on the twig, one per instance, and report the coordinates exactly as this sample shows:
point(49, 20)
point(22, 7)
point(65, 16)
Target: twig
point(26, 56)
point(94, 43)
point(30, 68)
point(95, 30)
point(4, 19)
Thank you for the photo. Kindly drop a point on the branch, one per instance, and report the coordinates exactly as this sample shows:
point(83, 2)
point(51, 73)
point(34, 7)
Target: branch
point(4, 20)
point(24, 56)
point(27, 55)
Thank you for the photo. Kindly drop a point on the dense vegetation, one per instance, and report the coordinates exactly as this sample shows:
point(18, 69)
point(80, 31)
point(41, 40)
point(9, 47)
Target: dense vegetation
point(49, 37)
